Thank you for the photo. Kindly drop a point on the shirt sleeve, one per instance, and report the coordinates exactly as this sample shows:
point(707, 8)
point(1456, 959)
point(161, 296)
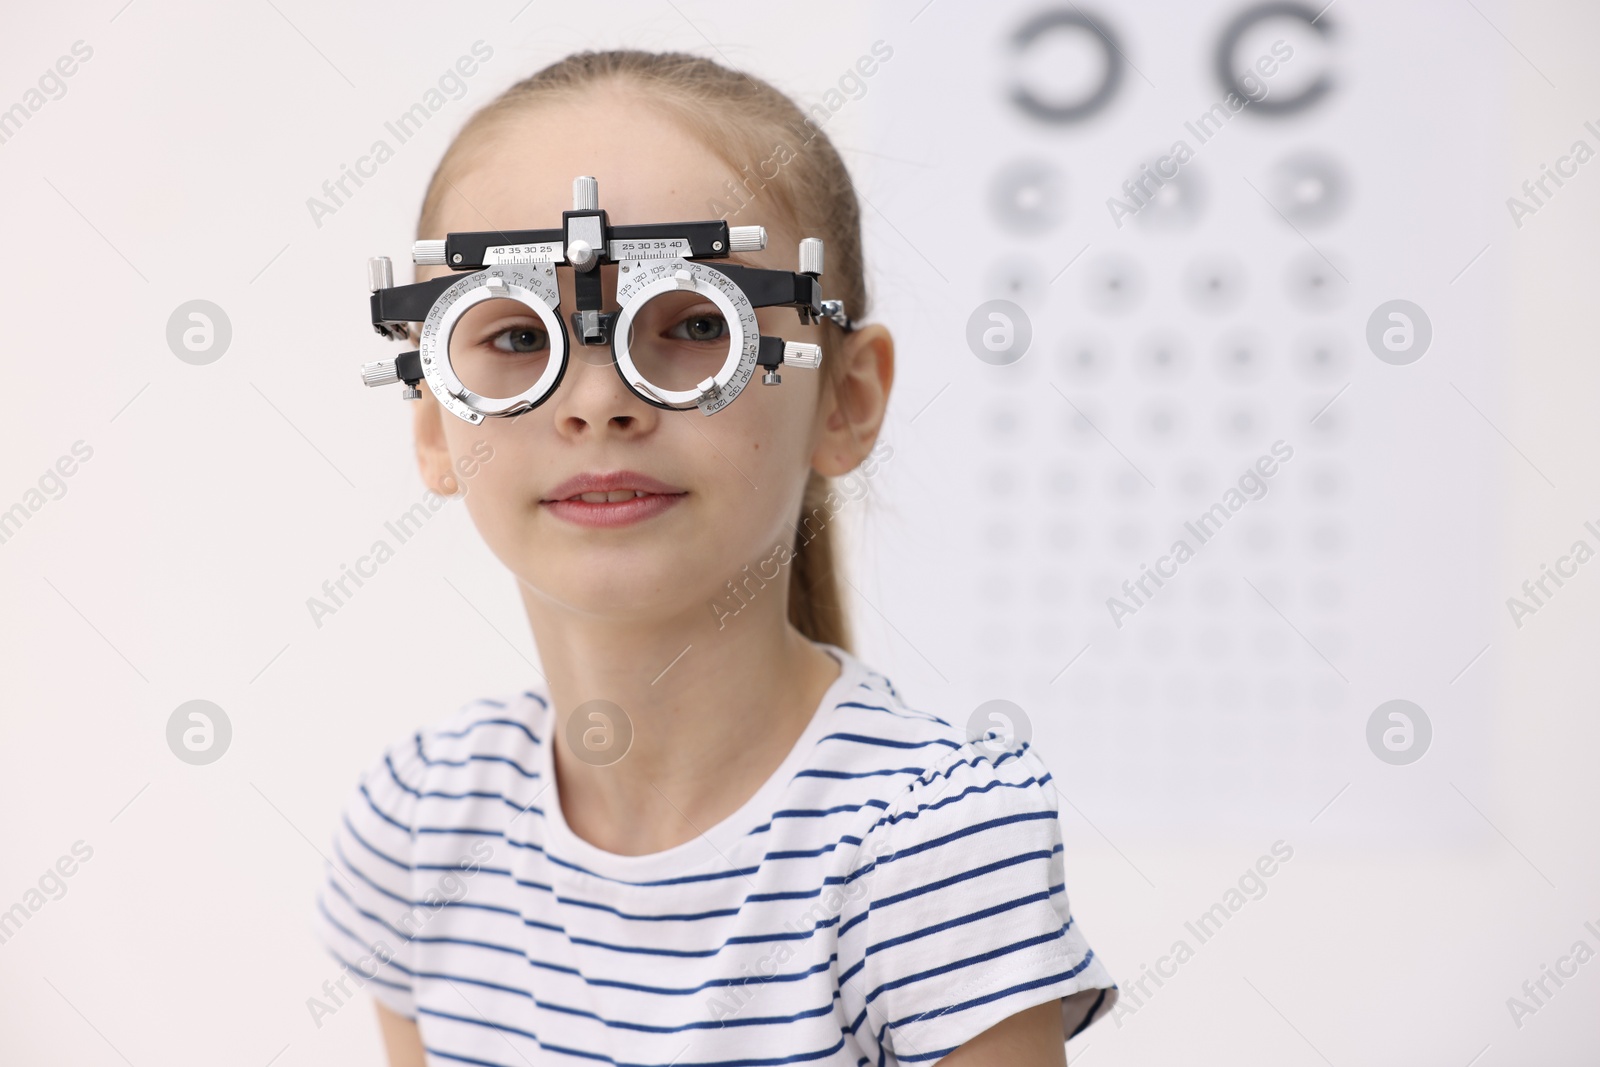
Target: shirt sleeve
point(964, 920)
point(365, 904)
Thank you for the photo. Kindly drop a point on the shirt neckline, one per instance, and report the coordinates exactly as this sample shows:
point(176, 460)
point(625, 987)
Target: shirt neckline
point(718, 841)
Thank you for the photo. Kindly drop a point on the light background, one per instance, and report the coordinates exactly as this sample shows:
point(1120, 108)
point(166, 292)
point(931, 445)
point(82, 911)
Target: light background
point(1215, 722)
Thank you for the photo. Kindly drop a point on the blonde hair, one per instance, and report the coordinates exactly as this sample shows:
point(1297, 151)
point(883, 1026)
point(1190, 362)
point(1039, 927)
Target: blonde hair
point(750, 126)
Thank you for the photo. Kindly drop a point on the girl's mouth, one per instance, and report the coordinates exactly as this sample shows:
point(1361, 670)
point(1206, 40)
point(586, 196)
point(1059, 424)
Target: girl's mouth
point(618, 507)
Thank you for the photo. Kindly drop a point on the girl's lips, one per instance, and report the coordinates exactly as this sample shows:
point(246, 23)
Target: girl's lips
point(597, 482)
point(613, 513)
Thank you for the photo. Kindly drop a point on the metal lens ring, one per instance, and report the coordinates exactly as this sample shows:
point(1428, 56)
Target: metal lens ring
point(532, 284)
point(643, 281)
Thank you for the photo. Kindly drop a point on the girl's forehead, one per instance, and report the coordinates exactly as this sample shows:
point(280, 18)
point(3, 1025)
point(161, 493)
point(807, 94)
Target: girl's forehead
point(650, 168)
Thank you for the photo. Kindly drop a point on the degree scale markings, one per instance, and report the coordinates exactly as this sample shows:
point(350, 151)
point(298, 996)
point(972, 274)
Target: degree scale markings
point(546, 252)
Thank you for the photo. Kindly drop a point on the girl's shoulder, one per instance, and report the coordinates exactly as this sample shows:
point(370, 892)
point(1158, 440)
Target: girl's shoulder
point(489, 742)
point(914, 756)
point(504, 726)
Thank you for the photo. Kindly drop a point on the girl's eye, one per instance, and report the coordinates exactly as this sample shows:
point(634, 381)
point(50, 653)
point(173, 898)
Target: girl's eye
point(706, 327)
point(522, 340)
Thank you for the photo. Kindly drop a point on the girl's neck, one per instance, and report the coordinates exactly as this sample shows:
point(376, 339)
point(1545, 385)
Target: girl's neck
point(734, 698)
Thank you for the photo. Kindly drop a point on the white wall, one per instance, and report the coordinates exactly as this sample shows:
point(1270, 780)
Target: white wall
point(176, 566)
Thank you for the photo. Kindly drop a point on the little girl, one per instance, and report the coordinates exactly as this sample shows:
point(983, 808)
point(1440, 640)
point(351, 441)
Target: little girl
point(712, 834)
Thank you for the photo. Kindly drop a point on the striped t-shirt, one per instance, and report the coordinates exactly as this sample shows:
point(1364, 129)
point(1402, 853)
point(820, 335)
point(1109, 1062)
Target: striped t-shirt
point(889, 893)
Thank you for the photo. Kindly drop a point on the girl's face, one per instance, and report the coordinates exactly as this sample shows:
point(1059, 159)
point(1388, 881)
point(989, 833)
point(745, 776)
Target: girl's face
point(741, 471)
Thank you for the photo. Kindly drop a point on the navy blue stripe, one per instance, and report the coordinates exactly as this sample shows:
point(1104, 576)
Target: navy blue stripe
point(352, 935)
point(385, 816)
point(973, 761)
point(438, 734)
point(984, 957)
point(746, 939)
point(967, 831)
point(464, 731)
point(856, 775)
point(921, 716)
point(624, 1025)
point(959, 920)
point(934, 842)
point(478, 794)
point(398, 988)
point(818, 813)
point(365, 914)
point(457, 867)
point(976, 872)
point(440, 1054)
point(394, 775)
point(882, 742)
point(647, 1028)
point(1021, 987)
point(479, 758)
point(345, 863)
point(495, 908)
point(498, 1027)
point(364, 843)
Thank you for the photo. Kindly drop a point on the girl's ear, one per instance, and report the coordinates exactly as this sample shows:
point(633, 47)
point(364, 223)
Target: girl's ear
point(433, 451)
point(853, 404)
